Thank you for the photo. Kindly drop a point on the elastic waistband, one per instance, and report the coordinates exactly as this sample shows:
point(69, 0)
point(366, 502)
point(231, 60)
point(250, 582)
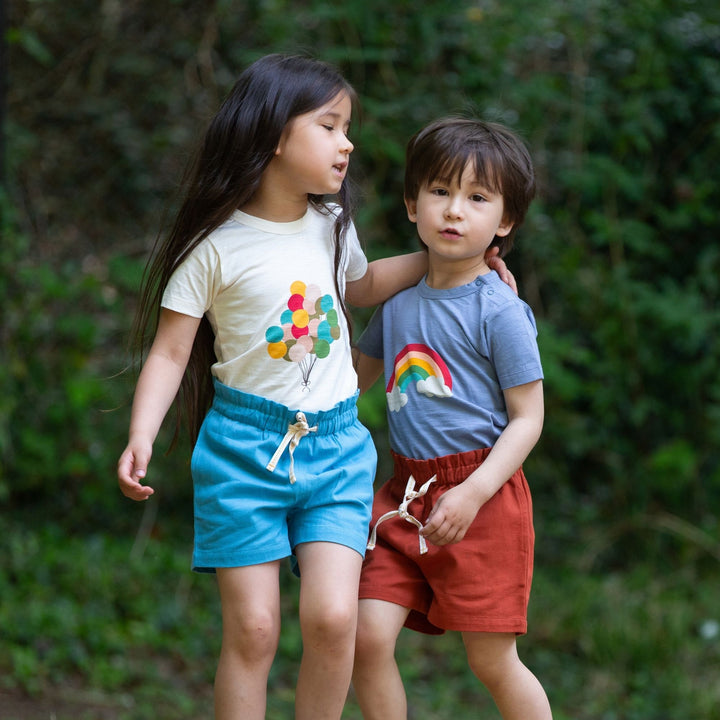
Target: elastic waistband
point(450, 469)
point(269, 415)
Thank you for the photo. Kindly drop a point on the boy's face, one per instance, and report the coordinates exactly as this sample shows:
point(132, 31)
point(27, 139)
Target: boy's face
point(458, 221)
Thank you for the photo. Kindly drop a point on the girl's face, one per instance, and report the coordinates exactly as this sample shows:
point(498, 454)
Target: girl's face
point(314, 150)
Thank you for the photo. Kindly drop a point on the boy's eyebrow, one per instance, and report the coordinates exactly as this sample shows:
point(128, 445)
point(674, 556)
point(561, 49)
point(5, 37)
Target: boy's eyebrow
point(480, 184)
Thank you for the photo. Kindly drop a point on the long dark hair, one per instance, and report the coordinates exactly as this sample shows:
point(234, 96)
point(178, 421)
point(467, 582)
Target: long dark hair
point(224, 174)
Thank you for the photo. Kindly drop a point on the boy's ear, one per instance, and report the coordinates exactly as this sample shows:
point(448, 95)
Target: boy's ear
point(411, 206)
point(504, 229)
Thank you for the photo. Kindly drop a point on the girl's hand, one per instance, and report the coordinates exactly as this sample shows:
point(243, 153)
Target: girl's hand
point(452, 515)
point(496, 263)
point(157, 386)
point(131, 470)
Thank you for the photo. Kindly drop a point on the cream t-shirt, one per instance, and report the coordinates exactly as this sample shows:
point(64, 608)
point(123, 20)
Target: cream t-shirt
point(269, 293)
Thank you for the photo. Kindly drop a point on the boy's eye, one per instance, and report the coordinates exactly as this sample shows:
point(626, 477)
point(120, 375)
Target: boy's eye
point(440, 192)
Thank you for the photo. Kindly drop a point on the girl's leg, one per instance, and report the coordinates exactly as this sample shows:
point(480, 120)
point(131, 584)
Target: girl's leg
point(516, 691)
point(376, 677)
point(329, 578)
point(250, 598)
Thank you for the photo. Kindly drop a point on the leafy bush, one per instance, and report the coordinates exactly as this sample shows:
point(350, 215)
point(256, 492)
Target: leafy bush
point(618, 258)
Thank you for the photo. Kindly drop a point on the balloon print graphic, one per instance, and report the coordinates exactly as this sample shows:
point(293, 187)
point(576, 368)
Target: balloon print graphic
point(308, 327)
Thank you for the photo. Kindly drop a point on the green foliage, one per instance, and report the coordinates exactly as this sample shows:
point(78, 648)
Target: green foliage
point(123, 613)
point(619, 105)
point(92, 606)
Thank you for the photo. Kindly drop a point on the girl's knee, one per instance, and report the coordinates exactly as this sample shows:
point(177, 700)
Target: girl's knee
point(252, 634)
point(329, 622)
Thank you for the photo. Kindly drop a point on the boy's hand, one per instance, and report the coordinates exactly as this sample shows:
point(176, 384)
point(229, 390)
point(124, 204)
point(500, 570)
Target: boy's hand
point(496, 263)
point(452, 515)
point(131, 469)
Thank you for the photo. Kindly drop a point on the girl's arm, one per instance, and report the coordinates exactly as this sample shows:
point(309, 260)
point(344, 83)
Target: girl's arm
point(368, 369)
point(156, 389)
point(456, 509)
point(385, 277)
point(496, 263)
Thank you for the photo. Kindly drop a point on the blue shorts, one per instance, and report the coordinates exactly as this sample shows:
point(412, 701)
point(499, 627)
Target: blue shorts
point(246, 514)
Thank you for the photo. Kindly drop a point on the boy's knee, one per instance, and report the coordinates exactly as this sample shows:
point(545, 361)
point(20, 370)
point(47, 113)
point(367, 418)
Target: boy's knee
point(372, 640)
point(493, 673)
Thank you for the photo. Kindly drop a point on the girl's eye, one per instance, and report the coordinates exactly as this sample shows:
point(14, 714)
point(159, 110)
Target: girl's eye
point(478, 198)
point(330, 128)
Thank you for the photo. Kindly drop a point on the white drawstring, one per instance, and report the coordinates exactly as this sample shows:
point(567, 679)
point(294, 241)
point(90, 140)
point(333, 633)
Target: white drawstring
point(294, 434)
point(402, 512)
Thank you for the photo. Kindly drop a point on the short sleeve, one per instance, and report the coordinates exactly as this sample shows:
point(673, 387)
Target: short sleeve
point(370, 342)
point(357, 263)
point(194, 285)
point(513, 346)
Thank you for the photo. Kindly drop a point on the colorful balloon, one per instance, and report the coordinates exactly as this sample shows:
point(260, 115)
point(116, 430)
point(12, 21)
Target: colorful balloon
point(308, 326)
point(295, 302)
point(277, 350)
point(274, 334)
point(300, 318)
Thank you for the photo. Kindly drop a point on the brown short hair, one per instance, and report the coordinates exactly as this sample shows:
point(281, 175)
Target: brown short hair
point(502, 163)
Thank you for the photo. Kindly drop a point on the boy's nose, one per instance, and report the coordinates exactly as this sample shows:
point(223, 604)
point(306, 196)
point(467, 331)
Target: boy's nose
point(453, 208)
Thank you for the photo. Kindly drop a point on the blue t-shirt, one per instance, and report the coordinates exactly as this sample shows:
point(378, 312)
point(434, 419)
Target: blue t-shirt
point(448, 356)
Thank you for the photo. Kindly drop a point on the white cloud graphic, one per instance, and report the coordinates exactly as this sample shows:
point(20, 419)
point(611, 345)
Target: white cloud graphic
point(396, 399)
point(433, 387)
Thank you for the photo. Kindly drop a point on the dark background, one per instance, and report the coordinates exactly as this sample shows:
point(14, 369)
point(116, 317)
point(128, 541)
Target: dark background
point(620, 106)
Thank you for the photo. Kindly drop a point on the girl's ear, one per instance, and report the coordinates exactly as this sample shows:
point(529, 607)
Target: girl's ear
point(411, 206)
point(281, 142)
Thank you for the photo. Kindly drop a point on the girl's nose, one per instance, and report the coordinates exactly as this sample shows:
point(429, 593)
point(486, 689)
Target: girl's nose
point(347, 146)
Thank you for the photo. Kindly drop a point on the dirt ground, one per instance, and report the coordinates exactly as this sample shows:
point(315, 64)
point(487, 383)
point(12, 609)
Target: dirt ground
point(20, 707)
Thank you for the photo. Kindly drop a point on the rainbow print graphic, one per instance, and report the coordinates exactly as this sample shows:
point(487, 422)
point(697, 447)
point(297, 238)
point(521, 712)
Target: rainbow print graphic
point(420, 364)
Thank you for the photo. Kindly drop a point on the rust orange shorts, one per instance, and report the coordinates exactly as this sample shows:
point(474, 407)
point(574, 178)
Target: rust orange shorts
point(482, 583)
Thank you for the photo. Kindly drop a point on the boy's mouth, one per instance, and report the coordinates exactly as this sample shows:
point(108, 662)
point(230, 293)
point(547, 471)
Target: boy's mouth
point(450, 232)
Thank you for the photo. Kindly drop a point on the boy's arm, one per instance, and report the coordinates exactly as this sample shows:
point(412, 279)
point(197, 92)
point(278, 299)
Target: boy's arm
point(368, 369)
point(156, 389)
point(456, 509)
point(385, 277)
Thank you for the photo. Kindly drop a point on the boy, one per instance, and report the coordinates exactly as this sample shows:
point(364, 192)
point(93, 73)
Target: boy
point(465, 408)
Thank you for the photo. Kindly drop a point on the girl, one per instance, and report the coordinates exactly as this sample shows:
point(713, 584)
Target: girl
point(249, 289)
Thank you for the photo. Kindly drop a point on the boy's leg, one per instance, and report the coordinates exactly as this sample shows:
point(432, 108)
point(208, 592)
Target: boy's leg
point(376, 677)
point(516, 691)
point(250, 598)
point(329, 577)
